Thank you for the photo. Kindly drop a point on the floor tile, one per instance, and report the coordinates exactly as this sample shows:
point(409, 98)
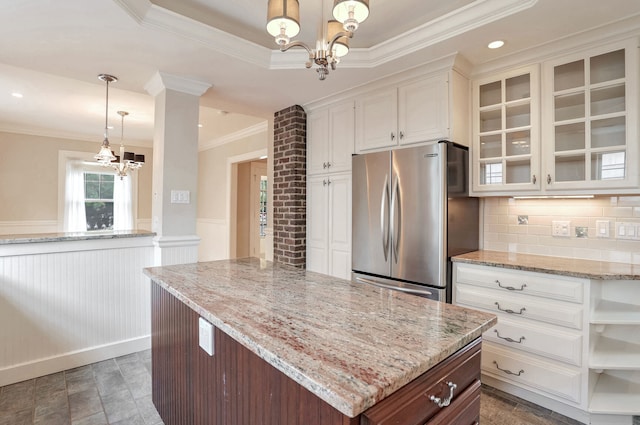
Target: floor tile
point(97, 419)
point(110, 382)
point(85, 404)
point(119, 406)
point(139, 384)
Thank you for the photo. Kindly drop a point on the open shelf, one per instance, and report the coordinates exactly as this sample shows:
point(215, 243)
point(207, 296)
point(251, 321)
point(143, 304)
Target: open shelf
point(616, 313)
point(616, 393)
point(614, 354)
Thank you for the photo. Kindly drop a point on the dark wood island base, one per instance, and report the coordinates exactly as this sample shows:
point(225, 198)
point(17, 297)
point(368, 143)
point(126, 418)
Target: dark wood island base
point(237, 387)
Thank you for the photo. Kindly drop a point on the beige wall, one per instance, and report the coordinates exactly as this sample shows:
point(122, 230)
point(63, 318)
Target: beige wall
point(504, 232)
point(243, 209)
point(29, 176)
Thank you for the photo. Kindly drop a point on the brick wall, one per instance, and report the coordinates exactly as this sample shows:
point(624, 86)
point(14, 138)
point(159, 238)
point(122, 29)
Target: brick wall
point(290, 186)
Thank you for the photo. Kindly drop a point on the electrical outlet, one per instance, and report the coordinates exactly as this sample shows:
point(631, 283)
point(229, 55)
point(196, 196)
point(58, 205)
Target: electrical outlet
point(602, 229)
point(629, 231)
point(561, 228)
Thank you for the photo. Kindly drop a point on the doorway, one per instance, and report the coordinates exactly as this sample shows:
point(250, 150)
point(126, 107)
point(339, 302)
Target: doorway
point(250, 209)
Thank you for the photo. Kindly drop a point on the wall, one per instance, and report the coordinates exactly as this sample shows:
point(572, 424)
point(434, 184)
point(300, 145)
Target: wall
point(243, 210)
point(216, 193)
point(503, 232)
point(29, 176)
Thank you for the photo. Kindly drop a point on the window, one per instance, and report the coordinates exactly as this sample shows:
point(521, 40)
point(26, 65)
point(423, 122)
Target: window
point(98, 200)
point(263, 205)
point(93, 198)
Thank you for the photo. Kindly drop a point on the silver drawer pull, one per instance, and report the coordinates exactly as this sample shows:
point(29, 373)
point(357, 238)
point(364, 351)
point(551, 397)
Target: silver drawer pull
point(511, 288)
point(508, 372)
point(509, 339)
point(446, 401)
point(508, 310)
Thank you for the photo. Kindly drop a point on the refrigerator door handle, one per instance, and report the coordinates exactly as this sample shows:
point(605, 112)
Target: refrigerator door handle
point(394, 288)
point(384, 218)
point(396, 225)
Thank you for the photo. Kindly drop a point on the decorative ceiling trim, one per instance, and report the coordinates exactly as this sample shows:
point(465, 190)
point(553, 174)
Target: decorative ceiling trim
point(162, 80)
point(153, 16)
point(48, 133)
point(261, 127)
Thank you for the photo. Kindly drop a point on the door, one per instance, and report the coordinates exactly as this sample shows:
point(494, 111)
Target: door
point(371, 197)
point(418, 214)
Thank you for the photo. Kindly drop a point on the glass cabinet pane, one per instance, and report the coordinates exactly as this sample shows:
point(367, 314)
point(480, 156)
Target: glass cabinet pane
point(491, 146)
point(491, 94)
point(517, 116)
point(569, 106)
point(490, 120)
point(608, 132)
point(518, 143)
point(608, 165)
point(607, 67)
point(570, 137)
point(568, 76)
point(518, 171)
point(570, 168)
point(517, 88)
point(608, 100)
point(491, 173)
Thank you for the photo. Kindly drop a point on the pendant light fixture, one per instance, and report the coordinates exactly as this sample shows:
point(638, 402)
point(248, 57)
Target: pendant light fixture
point(126, 160)
point(283, 23)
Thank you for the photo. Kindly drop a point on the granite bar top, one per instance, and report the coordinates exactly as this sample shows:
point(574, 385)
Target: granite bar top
point(350, 344)
point(589, 269)
point(71, 236)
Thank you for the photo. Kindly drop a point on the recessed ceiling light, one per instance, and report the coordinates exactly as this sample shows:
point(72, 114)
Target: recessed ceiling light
point(18, 95)
point(496, 44)
point(110, 127)
point(199, 125)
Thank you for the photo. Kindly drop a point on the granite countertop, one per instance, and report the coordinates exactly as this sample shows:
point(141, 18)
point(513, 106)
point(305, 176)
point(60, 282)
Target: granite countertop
point(71, 236)
point(348, 343)
point(589, 269)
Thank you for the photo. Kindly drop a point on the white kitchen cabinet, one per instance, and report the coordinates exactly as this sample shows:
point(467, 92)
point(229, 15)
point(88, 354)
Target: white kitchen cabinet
point(540, 340)
point(330, 138)
point(506, 140)
point(571, 131)
point(413, 112)
point(590, 119)
point(614, 358)
point(329, 224)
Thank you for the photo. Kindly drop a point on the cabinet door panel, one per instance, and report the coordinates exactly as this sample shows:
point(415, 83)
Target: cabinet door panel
point(339, 231)
point(377, 120)
point(341, 137)
point(423, 110)
point(317, 223)
point(317, 141)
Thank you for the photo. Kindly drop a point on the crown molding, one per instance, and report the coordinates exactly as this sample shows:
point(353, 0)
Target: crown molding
point(66, 135)
point(161, 81)
point(238, 135)
point(471, 16)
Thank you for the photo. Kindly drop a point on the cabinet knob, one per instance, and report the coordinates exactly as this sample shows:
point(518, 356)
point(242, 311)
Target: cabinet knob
point(328, 165)
point(534, 179)
point(444, 403)
point(401, 135)
point(393, 136)
point(324, 165)
point(328, 181)
point(324, 182)
point(548, 178)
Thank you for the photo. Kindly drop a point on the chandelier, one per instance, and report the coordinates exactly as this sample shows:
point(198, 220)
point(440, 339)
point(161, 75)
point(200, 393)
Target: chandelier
point(126, 161)
point(283, 23)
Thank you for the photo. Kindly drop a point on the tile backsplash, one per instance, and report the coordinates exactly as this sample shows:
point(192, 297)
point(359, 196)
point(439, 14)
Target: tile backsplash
point(526, 226)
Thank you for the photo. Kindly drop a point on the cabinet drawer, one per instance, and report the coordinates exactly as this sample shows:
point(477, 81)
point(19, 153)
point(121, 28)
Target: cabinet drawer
point(551, 378)
point(412, 405)
point(547, 341)
point(464, 410)
point(520, 282)
point(520, 306)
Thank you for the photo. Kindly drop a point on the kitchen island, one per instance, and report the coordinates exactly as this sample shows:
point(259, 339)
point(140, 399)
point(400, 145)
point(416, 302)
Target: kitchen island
point(297, 347)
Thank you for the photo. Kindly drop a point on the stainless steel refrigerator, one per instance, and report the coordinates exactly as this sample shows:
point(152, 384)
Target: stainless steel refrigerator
point(411, 213)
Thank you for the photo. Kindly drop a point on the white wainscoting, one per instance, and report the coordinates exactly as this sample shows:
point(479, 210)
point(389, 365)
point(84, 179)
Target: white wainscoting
point(214, 243)
point(172, 250)
point(67, 304)
point(28, 227)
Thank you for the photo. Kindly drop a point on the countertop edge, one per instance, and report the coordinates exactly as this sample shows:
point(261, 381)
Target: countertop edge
point(71, 236)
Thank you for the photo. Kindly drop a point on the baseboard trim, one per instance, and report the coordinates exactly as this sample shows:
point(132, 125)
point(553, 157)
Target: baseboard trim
point(42, 367)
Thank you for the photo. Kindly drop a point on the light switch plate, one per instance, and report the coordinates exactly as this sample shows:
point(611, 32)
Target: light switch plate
point(205, 336)
point(561, 228)
point(602, 229)
point(180, 197)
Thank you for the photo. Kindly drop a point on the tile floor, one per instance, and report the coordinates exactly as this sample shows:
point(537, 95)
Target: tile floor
point(118, 392)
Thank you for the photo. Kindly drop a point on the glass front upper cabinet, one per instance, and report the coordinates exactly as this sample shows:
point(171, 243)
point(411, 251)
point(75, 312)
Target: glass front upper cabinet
point(506, 143)
point(592, 134)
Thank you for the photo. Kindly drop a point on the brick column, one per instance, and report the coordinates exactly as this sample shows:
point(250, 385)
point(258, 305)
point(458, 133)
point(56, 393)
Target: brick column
point(290, 186)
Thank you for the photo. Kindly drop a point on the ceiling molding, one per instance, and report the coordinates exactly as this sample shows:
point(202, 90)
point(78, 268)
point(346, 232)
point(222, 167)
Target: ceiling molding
point(238, 135)
point(467, 18)
point(66, 135)
point(162, 80)
point(153, 16)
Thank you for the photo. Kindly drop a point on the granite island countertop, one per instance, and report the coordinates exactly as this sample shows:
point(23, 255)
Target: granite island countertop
point(588, 269)
point(348, 343)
